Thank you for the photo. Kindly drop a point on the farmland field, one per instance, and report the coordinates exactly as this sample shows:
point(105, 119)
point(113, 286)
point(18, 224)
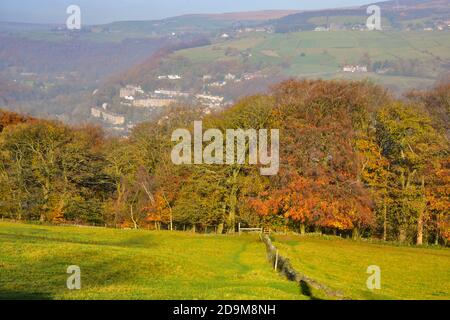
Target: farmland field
point(406, 272)
point(322, 54)
point(128, 264)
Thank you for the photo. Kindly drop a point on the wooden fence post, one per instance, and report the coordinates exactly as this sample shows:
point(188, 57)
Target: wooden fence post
point(276, 261)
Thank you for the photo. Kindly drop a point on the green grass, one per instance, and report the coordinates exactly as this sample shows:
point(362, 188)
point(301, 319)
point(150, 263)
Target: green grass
point(406, 272)
point(128, 264)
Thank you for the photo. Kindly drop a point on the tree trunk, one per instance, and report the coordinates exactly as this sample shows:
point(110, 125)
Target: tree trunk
point(318, 229)
point(436, 241)
point(384, 221)
point(420, 217)
point(420, 228)
point(132, 218)
point(170, 211)
point(232, 214)
point(302, 228)
point(220, 228)
point(233, 203)
point(402, 234)
point(355, 233)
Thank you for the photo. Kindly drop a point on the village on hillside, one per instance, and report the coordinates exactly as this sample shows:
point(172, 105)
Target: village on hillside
point(134, 97)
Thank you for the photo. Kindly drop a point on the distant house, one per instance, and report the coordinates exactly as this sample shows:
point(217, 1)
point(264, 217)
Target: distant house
point(230, 76)
point(322, 29)
point(96, 112)
point(170, 77)
point(108, 117)
point(153, 103)
point(209, 100)
point(130, 90)
point(171, 93)
point(209, 97)
point(359, 27)
point(354, 68)
point(251, 76)
point(113, 119)
point(217, 84)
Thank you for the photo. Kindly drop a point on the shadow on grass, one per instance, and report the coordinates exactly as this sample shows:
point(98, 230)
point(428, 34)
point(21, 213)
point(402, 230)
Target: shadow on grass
point(305, 289)
point(136, 241)
point(18, 295)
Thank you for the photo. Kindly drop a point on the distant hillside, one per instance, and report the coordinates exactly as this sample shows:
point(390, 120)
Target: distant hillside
point(253, 15)
point(397, 14)
point(196, 23)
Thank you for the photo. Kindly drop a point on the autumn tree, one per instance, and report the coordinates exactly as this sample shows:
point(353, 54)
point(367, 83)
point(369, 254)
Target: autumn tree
point(411, 145)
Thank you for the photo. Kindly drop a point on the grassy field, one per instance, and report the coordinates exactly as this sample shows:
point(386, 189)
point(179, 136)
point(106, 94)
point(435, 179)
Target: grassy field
point(406, 272)
point(322, 54)
point(128, 264)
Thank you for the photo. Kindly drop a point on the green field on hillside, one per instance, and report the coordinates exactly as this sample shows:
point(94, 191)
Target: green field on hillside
point(340, 46)
point(322, 54)
point(406, 272)
point(129, 264)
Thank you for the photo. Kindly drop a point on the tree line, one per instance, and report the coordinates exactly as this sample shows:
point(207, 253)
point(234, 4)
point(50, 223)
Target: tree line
point(354, 161)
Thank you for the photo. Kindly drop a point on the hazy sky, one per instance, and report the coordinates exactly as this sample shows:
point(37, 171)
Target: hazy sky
point(103, 11)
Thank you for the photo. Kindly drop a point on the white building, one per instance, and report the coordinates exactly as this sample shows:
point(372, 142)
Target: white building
point(153, 103)
point(113, 119)
point(355, 68)
point(230, 76)
point(130, 90)
point(171, 93)
point(217, 84)
point(322, 29)
point(96, 112)
point(210, 101)
point(170, 77)
point(108, 117)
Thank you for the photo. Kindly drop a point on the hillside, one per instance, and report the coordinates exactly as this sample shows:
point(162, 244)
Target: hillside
point(58, 71)
point(201, 23)
point(400, 61)
point(396, 15)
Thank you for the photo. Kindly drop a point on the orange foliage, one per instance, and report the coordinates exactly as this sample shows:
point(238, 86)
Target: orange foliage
point(12, 118)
